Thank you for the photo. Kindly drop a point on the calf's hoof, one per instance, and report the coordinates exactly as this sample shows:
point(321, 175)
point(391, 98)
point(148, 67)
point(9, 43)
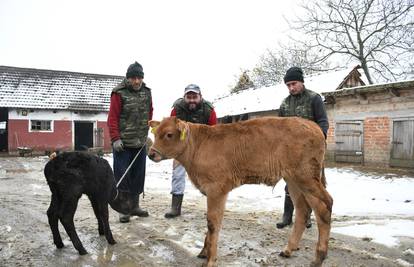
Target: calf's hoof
point(210, 264)
point(112, 241)
point(202, 255)
point(315, 264)
point(82, 251)
point(285, 254)
point(59, 245)
point(320, 257)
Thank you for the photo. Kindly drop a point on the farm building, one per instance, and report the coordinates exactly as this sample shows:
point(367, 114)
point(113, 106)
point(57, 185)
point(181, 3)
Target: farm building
point(368, 124)
point(48, 110)
point(372, 124)
point(265, 101)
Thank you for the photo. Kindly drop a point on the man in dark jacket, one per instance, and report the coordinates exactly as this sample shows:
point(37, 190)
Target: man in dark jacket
point(129, 113)
point(192, 108)
point(304, 103)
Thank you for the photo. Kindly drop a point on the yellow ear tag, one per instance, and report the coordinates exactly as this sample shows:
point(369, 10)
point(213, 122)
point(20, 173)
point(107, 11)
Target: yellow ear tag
point(183, 133)
point(153, 130)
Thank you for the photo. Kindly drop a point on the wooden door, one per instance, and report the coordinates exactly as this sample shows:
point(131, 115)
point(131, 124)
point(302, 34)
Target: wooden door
point(402, 152)
point(349, 142)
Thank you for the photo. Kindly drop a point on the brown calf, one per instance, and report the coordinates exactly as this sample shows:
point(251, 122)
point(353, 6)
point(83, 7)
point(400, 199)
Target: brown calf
point(259, 151)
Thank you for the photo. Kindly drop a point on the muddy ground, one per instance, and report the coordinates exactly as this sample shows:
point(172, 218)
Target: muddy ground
point(247, 239)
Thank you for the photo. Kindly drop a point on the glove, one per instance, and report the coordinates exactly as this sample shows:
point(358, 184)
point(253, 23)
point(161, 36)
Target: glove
point(118, 145)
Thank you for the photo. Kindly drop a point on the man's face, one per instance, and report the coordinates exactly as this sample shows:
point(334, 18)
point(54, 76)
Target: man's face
point(192, 100)
point(135, 82)
point(295, 87)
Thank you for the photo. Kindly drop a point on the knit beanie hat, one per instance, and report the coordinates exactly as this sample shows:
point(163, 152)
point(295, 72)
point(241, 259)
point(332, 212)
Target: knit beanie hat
point(135, 70)
point(293, 74)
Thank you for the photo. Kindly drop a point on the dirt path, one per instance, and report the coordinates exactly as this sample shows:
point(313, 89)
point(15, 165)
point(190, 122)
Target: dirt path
point(247, 239)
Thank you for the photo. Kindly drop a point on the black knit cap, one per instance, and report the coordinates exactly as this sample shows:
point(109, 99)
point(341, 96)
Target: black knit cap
point(293, 74)
point(135, 70)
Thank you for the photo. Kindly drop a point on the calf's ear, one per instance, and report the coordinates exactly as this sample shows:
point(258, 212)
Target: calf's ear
point(182, 127)
point(153, 124)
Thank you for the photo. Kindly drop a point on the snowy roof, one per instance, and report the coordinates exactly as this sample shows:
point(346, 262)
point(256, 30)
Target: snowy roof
point(270, 98)
point(407, 84)
point(51, 89)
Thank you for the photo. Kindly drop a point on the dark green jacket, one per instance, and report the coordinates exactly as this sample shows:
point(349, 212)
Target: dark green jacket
point(135, 110)
point(200, 115)
point(308, 105)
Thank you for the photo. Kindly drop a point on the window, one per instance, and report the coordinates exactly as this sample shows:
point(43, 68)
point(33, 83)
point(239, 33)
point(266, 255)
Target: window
point(37, 125)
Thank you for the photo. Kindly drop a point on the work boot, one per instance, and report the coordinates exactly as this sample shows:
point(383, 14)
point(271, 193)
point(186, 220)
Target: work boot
point(176, 202)
point(123, 218)
point(137, 211)
point(287, 213)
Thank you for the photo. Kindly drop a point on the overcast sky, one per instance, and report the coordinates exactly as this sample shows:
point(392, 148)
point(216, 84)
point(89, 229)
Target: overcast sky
point(177, 42)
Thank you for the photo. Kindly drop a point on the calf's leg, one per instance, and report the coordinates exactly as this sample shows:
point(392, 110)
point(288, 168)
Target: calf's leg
point(95, 206)
point(68, 210)
point(323, 217)
point(203, 253)
point(302, 210)
point(215, 211)
point(103, 207)
point(53, 217)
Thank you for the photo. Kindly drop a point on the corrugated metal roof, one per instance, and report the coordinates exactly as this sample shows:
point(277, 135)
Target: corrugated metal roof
point(52, 89)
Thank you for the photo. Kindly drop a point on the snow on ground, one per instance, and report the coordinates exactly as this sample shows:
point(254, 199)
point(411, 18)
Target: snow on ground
point(364, 199)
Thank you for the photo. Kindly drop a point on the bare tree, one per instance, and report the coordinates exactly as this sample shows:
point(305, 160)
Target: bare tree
point(378, 34)
point(244, 82)
point(273, 64)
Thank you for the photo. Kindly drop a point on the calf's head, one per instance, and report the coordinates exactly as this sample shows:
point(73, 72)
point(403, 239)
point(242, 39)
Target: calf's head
point(170, 138)
point(123, 202)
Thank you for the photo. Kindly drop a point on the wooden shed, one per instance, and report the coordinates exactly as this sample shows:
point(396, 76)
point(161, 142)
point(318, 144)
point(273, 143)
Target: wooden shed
point(372, 125)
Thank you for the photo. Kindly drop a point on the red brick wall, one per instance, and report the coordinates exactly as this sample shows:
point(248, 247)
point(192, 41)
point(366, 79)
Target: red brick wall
point(330, 140)
point(59, 139)
point(377, 140)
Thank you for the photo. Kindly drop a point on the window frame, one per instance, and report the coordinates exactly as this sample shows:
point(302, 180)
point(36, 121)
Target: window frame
point(49, 130)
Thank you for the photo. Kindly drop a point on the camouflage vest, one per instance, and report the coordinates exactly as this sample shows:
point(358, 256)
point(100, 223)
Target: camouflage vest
point(298, 105)
point(135, 109)
point(201, 115)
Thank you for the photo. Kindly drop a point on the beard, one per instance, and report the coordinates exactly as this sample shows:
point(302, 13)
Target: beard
point(193, 106)
point(136, 86)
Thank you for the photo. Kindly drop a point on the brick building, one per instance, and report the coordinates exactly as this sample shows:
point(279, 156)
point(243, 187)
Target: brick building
point(47, 110)
point(372, 125)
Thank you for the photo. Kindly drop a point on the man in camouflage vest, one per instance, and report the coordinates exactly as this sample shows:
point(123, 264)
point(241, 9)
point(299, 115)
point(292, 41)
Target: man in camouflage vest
point(307, 104)
point(192, 108)
point(129, 113)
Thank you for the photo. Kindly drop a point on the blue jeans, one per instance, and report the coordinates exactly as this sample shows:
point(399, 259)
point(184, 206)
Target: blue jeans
point(178, 179)
point(135, 178)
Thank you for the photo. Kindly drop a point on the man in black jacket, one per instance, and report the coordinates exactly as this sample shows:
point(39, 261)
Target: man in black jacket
point(304, 103)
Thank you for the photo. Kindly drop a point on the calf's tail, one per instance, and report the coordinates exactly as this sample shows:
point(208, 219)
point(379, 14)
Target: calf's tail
point(323, 177)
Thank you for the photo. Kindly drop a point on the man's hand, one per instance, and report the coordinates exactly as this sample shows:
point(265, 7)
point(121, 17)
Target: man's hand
point(118, 145)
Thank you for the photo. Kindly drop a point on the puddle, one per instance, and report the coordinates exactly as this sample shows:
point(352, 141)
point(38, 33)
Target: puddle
point(160, 251)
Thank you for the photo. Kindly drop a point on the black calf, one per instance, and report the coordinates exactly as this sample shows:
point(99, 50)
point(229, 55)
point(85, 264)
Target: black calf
point(72, 174)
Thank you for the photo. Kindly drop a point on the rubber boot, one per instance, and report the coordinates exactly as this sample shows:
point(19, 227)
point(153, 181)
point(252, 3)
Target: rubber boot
point(287, 213)
point(176, 202)
point(123, 218)
point(137, 211)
